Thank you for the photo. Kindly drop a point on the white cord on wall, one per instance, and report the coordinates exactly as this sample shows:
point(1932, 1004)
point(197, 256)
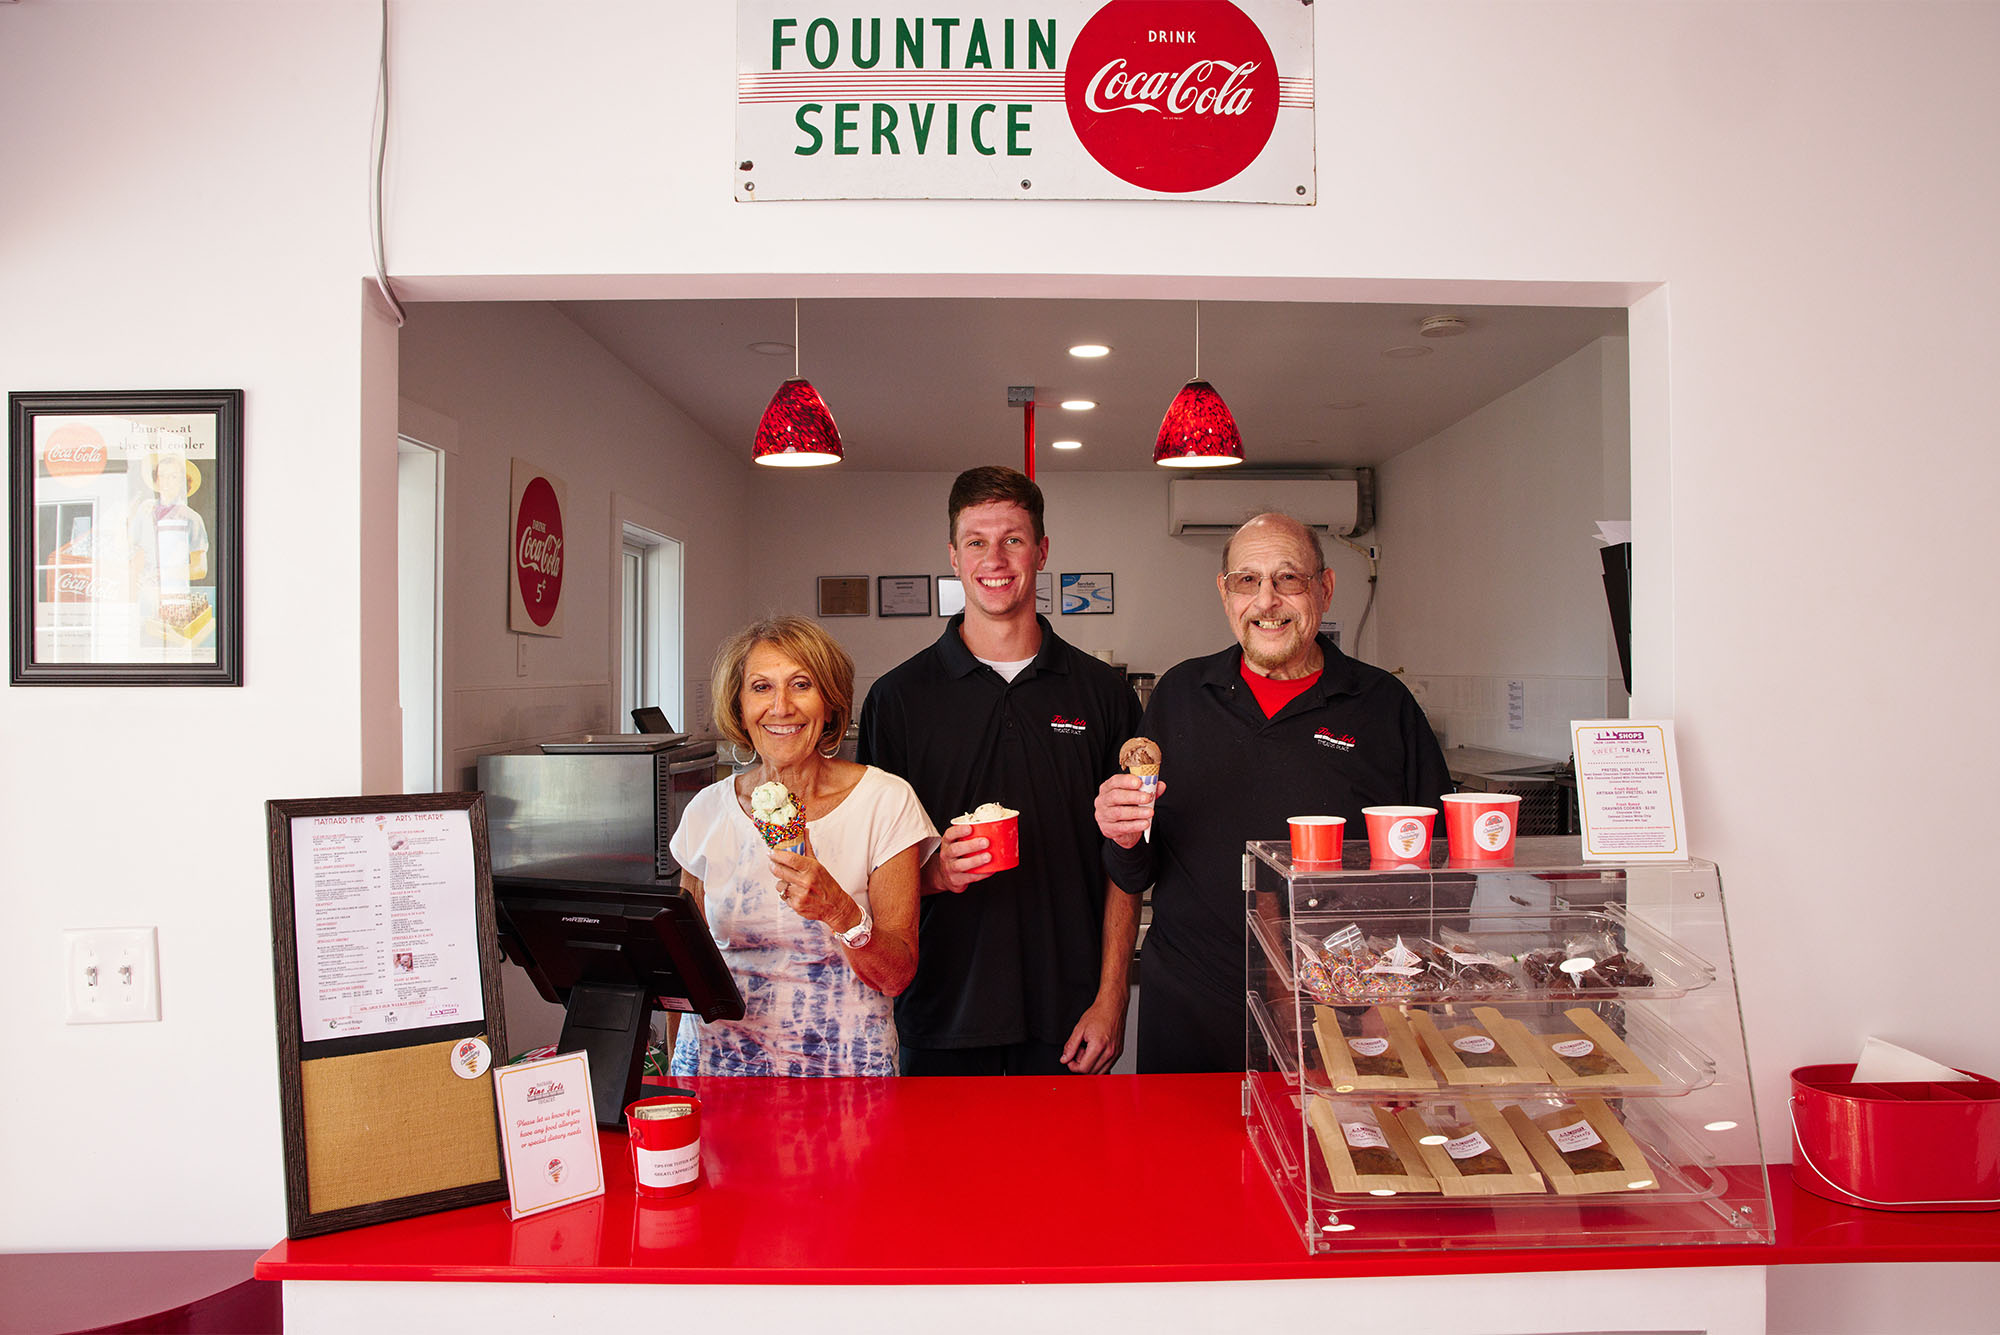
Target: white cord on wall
point(380, 135)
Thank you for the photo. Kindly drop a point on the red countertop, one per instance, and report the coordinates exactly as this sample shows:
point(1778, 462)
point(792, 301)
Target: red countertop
point(1118, 1179)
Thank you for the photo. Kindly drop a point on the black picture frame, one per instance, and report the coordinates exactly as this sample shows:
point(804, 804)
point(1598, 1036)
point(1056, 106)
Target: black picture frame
point(1088, 593)
point(124, 573)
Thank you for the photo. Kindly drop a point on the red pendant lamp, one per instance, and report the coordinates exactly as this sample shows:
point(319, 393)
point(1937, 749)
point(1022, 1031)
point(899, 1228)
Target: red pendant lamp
point(797, 430)
point(1198, 431)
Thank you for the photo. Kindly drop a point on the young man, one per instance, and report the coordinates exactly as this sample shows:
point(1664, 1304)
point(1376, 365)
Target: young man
point(1279, 724)
point(1024, 971)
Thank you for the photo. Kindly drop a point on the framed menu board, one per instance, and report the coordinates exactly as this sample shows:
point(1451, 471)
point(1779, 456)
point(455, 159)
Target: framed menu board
point(389, 1006)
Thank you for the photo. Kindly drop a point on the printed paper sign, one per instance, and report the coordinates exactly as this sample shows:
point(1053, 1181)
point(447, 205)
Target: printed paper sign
point(388, 939)
point(1629, 790)
point(1025, 99)
point(548, 1132)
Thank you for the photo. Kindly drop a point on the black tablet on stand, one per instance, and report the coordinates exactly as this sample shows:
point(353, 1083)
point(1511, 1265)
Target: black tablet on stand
point(612, 953)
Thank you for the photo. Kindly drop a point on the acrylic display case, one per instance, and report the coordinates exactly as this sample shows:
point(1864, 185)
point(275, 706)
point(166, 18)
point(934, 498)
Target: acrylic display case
point(1542, 1053)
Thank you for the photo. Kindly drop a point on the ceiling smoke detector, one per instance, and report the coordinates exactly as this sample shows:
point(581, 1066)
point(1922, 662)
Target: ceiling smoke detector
point(1441, 326)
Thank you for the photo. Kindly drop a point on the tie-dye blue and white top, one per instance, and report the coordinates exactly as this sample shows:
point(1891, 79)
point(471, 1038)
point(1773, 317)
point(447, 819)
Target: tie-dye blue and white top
point(805, 1010)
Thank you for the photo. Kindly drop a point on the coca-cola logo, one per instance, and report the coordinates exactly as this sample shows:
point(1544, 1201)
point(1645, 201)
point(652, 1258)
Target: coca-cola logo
point(1172, 95)
point(538, 543)
point(74, 586)
point(74, 451)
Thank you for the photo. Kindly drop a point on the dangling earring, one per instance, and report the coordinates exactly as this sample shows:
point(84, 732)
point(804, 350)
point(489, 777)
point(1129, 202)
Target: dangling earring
point(826, 754)
point(738, 759)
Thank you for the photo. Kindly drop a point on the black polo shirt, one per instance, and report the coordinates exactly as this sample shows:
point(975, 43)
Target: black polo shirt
point(1355, 738)
point(1017, 957)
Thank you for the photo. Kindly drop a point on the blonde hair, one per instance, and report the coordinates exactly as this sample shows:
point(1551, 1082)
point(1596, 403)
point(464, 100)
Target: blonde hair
point(805, 643)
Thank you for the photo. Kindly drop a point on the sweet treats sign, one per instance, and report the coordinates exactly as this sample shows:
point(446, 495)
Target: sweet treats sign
point(535, 559)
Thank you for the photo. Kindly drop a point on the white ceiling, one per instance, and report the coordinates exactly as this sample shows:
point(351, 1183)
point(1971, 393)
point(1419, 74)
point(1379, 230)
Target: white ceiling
point(920, 384)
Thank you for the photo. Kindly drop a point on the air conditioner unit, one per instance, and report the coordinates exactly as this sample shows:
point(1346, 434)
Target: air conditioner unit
point(1220, 505)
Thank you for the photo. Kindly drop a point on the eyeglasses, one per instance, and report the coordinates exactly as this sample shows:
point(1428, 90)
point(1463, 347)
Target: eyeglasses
point(1286, 583)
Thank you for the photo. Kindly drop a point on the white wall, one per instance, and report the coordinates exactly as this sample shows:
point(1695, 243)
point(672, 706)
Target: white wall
point(183, 232)
point(518, 380)
point(1490, 573)
point(1795, 197)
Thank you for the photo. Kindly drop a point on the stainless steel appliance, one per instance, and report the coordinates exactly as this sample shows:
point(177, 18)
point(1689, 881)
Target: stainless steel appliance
point(615, 807)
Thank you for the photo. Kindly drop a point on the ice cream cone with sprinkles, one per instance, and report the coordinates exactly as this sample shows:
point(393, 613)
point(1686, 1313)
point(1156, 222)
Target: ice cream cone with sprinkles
point(779, 817)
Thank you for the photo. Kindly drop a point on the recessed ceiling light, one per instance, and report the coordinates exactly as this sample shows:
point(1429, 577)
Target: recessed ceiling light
point(770, 349)
point(1089, 350)
point(1079, 405)
point(1342, 405)
point(1407, 350)
point(1065, 444)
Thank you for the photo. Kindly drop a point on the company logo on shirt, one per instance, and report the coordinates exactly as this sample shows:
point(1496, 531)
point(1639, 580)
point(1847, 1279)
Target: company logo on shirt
point(1338, 741)
point(1073, 727)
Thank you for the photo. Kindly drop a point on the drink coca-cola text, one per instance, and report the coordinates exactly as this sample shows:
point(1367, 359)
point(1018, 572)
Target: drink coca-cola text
point(1201, 78)
point(1207, 87)
point(541, 552)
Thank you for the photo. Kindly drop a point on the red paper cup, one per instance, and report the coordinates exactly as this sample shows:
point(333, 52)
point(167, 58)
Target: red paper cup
point(1003, 842)
point(1317, 839)
point(1399, 834)
point(666, 1144)
point(1479, 827)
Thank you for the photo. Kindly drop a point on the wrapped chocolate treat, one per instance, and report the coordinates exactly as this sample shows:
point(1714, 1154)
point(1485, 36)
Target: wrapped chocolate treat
point(1582, 1148)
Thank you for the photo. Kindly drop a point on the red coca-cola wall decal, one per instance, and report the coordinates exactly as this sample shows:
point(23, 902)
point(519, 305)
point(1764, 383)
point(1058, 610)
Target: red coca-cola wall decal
point(1172, 95)
point(74, 450)
point(535, 604)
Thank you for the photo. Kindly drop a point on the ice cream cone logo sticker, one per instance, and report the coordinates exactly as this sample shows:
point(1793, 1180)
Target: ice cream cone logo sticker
point(1407, 836)
point(1491, 830)
point(470, 1058)
point(1172, 95)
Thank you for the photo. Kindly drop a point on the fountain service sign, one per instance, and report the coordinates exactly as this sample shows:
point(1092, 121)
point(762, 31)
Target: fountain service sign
point(1131, 99)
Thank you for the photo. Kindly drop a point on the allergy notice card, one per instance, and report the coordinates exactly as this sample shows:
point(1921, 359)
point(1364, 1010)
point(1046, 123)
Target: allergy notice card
point(1628, 783)
point(549, 1133)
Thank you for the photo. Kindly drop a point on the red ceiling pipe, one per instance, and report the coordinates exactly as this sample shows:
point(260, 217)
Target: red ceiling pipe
point(1028, 426)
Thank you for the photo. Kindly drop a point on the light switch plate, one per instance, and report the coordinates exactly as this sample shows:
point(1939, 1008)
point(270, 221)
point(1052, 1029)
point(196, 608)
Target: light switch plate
point(111, 975)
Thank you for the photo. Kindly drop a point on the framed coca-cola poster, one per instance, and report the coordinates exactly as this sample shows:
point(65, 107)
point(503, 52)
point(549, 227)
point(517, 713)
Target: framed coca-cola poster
point(535, 556)
point(126, 537)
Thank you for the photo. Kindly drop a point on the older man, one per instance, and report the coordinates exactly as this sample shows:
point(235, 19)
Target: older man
point(1279, 724)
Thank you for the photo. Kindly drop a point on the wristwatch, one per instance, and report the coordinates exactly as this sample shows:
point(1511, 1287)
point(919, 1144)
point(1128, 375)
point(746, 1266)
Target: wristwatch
point(861, 933)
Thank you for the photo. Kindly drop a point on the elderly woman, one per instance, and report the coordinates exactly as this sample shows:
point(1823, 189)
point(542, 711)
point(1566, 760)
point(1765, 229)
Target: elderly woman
point(819, 941)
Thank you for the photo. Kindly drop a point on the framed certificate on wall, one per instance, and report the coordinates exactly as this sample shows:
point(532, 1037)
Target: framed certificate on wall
point(903, 595)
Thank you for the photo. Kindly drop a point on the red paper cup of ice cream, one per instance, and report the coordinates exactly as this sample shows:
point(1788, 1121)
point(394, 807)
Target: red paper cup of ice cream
point(1000, 827)
point(1399, 834)
point(1316, 840)
point(1479, 827)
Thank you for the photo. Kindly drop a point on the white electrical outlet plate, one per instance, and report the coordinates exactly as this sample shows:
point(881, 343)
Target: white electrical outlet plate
point(111, 975)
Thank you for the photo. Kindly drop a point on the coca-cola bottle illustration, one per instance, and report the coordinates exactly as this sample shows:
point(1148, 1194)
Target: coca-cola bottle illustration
point(71, 576)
